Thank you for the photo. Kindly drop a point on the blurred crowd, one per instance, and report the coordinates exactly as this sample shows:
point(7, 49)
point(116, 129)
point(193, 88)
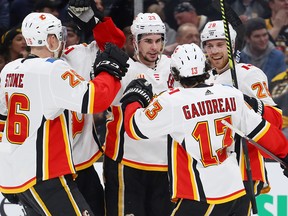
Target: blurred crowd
point(260, 30)
point(265, 23)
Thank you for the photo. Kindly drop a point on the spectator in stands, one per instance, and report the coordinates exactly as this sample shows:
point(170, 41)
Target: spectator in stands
point(99, 5)
point(4, 16)
point(186, 33)
point(49, 6)
point(14, 44)
point(277, 24)
point(170, 32)
point(259, 51)
point(279, 93)
point(247, 9)
point(3, 57)
point(74, 35)
point(20, 9)
point(186, 13)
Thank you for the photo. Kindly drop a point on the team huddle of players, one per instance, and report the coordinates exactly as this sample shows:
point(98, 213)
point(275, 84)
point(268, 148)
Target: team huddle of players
point(167, 151)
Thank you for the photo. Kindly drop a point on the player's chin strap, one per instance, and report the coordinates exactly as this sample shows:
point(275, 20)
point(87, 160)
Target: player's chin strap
point(56, 52)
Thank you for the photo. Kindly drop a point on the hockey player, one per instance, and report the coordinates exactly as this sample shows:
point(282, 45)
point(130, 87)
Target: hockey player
point(252, 82)
point(86, 146)
point(135, 172)
point(36, 154)
point(203, 170)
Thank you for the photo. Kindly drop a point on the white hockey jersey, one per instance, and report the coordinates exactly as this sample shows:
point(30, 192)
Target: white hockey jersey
point(82, 57)
point(85, 149)
point(202, 165)
point(36, 143)
point(253, 82)
point(143, 154)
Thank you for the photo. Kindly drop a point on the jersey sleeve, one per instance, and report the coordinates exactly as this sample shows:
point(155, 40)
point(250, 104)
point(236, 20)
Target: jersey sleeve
point(77, 54)
point(71, 91)
point(106, 31)
point(153, 121)
point(264, 133)
point(256, 85)
point(273, 115)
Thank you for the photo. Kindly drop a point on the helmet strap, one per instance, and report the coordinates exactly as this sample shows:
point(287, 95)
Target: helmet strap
point(56, 52)
point(224, 68)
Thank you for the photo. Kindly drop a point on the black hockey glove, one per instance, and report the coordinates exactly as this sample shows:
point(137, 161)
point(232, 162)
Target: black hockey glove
point(12, 198)
point(285, 169)
point(137, 90)
point(256, 104)
point(79, 5)
point(112, 60)
point(85, 14)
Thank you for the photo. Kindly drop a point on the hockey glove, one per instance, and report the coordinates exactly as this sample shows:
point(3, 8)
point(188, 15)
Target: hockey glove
point(112, 60)
point(137, 90)
point(285, 169)
point(85, 14)
point(12, 198)
point(255, 103)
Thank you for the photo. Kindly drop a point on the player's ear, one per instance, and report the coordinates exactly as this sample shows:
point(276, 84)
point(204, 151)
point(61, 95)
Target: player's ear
point(52, 42)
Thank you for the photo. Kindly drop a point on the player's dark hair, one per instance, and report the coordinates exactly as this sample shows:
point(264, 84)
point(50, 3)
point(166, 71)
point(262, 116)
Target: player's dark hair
point(139, 37)
point(194, 80)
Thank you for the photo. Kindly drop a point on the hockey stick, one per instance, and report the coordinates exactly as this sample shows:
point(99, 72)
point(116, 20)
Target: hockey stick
point(232, 18)
point(229, 45)
point(235, 84)
point(240, 133)
point(94, 132)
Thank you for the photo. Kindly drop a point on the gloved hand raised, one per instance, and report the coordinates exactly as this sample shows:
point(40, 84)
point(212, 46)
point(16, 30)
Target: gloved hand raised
point(137, 90)
point(79, 5)
point(85, 14)
point(256, 104)
point(112, 60)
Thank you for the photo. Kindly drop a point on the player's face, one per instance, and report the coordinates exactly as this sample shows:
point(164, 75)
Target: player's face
point(150, 46)
point(258, 40)
point(217, 54)
point(72, 37)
